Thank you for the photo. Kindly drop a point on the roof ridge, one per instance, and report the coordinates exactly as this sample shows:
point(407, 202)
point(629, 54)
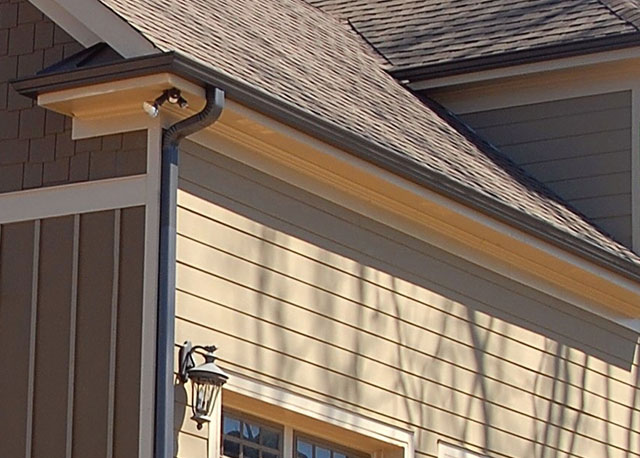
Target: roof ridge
point(384, 61)
point(627, 10)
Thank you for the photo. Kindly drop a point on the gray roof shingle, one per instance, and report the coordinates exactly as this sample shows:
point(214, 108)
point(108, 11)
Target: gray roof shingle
point(305, 58)
point(422, 33)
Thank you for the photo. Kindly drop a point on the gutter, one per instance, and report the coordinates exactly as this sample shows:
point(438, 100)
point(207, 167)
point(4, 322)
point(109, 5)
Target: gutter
point(167, 265)
point(624, 264)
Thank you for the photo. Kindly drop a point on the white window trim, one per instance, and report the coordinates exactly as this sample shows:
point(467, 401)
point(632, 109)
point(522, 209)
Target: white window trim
point(325, 412)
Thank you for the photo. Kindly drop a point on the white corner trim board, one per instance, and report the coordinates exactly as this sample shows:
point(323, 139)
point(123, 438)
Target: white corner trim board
point(73, 198)
point(91, 22)
point(327, 413)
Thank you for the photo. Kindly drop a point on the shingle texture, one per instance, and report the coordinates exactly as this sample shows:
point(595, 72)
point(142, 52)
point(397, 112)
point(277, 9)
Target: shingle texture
point(36, 148)
point(306, 58)
point(417, 33)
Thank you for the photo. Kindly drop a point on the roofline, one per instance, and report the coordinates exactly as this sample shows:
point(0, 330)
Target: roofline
point(509, 59)
point(327, 132)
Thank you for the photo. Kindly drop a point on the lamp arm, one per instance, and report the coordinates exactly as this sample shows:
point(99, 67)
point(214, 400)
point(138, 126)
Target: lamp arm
point(186, 358)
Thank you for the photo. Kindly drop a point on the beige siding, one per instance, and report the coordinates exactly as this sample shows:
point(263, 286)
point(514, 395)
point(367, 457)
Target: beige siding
point(579, 147)
point(309, 296)
point(70, 327)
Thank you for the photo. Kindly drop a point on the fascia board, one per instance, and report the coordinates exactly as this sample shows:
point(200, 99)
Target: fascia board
point(91, 22)
point(130, 68)
point(622, 272)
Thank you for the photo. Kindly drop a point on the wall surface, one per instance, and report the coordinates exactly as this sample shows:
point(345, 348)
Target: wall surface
point(71, 287)
point(307, 296)
point(579, 147)
point(70, 324)
point(35, 145)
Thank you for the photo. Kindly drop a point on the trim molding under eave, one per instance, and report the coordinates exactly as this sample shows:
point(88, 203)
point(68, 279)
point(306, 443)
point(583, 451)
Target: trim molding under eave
point(334, 135)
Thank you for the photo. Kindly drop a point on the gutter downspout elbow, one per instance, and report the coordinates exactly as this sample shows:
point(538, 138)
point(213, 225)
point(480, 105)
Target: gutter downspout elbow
point(167, 265)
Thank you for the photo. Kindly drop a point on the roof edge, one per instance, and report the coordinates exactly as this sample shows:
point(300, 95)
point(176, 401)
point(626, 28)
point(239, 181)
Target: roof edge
point(513, 58)
point(31, 86)
point(334, 135)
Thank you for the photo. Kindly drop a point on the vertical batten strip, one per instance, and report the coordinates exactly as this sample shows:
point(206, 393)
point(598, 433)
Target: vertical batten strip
point(32, 337)
point(114, 331)
point(72, 332)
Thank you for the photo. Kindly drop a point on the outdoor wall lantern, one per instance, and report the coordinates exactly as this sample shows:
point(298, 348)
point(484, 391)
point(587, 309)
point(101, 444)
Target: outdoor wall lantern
point(206, 380)
point(172, 95)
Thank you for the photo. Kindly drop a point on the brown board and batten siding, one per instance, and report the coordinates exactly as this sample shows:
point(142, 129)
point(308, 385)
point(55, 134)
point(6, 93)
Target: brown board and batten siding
point(303, 294)
point(579, 147)
point(70, 334)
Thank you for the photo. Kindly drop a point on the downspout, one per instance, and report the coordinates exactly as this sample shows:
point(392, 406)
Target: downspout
point(167, 265)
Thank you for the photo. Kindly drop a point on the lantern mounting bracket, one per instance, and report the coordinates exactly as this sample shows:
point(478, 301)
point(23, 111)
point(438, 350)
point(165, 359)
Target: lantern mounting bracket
point(186, 358)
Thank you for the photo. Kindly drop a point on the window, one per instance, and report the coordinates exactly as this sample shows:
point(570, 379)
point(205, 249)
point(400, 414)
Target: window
point(312, 448)
point(244, 437)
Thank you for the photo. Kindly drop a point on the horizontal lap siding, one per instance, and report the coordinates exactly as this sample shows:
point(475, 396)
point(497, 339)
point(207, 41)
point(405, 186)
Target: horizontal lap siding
point(309, 296)
point(579, 147)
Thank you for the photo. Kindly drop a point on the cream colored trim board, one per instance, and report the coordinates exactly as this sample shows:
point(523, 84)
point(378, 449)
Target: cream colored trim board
point(327, 413)
point(90, 22)
point(117, 124)
point(518, 70)
point(529, 90)
point(73, 198)
point(159, 79)
point(151, 195)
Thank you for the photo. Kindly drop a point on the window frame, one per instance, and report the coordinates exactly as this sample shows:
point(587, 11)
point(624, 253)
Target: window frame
point(247, 418)
point(332, 446)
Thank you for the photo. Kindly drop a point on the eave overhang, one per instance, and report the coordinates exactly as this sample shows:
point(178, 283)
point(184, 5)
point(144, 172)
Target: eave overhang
point(155, 72)
point(413, 75)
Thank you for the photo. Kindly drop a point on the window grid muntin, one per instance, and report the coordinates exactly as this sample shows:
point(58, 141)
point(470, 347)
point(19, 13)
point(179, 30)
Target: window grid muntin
point(264, 451)
point(336, 450)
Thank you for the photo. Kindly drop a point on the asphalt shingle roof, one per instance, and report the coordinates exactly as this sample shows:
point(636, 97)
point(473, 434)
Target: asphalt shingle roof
point(305, 58)
point(420, 33)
